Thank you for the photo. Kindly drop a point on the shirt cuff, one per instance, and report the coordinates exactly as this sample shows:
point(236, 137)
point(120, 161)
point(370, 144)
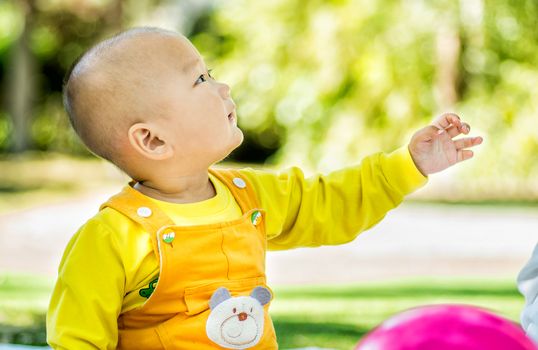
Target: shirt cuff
point(401, 172)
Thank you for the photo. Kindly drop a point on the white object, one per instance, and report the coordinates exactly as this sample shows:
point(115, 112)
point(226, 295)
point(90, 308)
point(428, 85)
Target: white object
point(527, 282)
point(144, 212)
point(239, 182)
point(237, 322)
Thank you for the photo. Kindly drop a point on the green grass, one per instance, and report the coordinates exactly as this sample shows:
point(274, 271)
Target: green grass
point(337, 317)
point(325, 316)
point(23, 303)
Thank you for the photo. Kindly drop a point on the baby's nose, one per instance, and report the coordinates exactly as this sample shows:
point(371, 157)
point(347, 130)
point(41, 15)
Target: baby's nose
point(242, 316)
point(225, 90)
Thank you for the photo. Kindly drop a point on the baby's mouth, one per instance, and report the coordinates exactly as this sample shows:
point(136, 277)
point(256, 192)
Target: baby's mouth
point(231, 116)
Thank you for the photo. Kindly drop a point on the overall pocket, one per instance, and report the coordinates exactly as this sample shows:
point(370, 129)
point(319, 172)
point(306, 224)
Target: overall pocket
point(207, 327)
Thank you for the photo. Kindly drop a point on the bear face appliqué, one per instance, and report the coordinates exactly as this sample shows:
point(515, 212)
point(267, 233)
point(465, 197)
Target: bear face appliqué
point(237, 322)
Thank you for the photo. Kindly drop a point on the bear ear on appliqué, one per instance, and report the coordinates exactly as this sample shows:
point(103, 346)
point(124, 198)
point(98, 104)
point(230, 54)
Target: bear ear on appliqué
point(220, 295)
point(262, 294)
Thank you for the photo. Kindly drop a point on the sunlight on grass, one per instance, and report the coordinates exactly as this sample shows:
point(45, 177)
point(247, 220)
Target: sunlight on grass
point(34, 179)
point(37, 179)
point(21, 297)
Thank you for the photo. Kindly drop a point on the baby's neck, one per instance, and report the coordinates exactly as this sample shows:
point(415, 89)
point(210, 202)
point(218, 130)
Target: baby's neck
point(181, 189)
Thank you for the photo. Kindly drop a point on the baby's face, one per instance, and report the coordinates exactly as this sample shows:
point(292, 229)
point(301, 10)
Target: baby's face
point(194, 112)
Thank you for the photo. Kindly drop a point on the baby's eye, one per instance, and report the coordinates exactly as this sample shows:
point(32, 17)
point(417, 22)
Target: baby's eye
point(234, 310)
point(201, 79)
point(204, 77)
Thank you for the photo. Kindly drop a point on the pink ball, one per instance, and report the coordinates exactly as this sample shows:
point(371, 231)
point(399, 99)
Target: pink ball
point(447, 327)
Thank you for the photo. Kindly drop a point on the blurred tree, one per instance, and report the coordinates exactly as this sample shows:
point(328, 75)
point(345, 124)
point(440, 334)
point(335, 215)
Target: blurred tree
point(321, 83)
point(332, 81)
point(21, 82)
point(53, 35)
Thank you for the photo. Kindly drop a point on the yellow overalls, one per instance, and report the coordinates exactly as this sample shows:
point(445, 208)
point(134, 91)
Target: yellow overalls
point(195, 261)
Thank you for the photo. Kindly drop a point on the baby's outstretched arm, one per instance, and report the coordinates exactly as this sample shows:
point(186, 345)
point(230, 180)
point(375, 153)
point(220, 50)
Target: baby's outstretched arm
point(434, 148)
point(527, 282)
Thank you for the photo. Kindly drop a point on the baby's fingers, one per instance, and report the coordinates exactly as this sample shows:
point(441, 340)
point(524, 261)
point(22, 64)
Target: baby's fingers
point(467, 142)
point(464, 154)
point(458, 128)
point(452, 124)
point(444, 121)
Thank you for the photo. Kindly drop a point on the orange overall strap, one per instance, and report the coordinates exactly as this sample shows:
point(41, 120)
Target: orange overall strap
point(141, 210)
point(240, 186)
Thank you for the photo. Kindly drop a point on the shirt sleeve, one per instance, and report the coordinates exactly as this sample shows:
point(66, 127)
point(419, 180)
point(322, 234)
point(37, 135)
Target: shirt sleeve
point(527, 282)
point(87, 297)
point(333, 209)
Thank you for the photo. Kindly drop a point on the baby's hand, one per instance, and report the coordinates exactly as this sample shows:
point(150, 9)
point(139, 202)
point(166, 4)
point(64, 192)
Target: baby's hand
point(433, 148)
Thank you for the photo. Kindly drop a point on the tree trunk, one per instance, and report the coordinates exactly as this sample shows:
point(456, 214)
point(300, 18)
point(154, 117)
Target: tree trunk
point(21, 86)
point(448, 54)
point(114, 16)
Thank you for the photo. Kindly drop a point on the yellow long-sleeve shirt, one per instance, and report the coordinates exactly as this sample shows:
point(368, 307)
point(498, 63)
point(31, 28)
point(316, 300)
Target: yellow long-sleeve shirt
point(110, 259)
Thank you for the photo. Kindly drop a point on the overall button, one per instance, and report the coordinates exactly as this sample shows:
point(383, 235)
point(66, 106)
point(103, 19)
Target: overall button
point(239, 182)
point(144, 212)
point(169, 237)
point(256, 218)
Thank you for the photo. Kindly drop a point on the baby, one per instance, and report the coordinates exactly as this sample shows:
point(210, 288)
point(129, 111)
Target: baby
point(528, 286)
point(176, 260)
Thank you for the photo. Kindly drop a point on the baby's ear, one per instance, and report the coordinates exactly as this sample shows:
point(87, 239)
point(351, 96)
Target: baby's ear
point(146, 141)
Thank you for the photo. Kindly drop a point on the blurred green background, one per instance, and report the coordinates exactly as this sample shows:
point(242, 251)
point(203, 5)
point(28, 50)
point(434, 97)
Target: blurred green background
point(318, 84)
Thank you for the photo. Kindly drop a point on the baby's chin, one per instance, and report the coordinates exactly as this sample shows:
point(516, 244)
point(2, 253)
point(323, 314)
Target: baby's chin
point(235, 146)
point(241, 138)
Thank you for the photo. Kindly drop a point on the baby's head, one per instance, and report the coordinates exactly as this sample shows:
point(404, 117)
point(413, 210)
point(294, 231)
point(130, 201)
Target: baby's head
point(145, 101)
